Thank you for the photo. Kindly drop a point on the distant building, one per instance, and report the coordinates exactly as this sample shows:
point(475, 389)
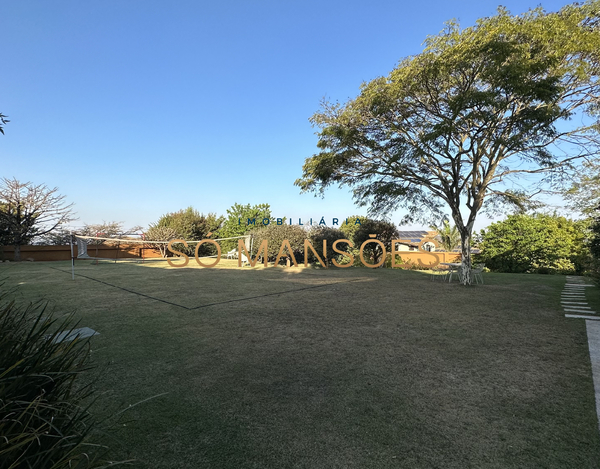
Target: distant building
point(414, 238)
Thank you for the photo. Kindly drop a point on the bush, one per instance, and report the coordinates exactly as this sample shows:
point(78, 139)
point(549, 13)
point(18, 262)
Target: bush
point(275, 235)
point(44, 421)
point(317, 235)
point(191, 225)
point(358, 234)
point(538, 243)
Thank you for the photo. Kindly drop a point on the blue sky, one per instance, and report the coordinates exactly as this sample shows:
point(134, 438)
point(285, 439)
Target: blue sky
point(137, 108)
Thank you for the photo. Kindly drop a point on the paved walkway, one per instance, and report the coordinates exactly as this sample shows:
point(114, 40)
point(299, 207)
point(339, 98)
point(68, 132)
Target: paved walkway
point(593, 333)
point(573, 301)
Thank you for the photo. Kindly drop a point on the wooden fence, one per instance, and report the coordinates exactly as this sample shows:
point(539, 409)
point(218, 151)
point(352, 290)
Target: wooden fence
point(63, 253)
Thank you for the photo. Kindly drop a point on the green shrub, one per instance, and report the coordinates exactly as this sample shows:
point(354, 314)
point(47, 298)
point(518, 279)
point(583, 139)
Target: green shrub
point(275, 235)
point(344, 260)
point(538, 243)
point(44, 418)
point(317, 235)
point(191, 225)
point(358, 234)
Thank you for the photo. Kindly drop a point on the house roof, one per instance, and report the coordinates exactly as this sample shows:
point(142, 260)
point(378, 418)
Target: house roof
point(415, 236)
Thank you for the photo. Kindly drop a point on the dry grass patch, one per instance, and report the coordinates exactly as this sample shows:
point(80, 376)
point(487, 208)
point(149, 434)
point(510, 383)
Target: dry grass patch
point(365, 368)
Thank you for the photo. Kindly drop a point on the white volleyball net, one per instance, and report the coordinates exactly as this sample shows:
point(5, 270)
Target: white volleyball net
point(129, 249)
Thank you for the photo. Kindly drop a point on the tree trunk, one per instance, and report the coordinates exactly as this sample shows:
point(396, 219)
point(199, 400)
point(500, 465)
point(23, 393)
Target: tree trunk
point(465, 270)
point(17, 256)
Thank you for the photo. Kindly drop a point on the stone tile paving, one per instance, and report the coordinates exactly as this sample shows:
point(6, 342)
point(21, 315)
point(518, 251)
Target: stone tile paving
point(573, 301)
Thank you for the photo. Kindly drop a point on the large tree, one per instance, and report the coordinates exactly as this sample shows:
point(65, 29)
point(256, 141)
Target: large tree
point(584, 194)
point(456, 125)
point(28, 210)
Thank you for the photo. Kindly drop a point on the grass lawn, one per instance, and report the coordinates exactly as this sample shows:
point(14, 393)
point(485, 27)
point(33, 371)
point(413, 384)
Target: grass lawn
point(339, 368)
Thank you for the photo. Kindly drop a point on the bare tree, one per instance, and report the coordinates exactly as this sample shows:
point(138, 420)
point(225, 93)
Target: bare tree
point(161, 233)
point(111, 229)
point(62, 236)
point(28, 210)
point(59, 237)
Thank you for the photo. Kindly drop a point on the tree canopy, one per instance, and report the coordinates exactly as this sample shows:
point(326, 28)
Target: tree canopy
point(459, 124)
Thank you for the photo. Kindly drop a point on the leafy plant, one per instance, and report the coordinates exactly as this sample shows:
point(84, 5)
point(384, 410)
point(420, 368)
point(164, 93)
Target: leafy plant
point(449, 235)
point(404, 264)
point(44, 416)
point(594, 245)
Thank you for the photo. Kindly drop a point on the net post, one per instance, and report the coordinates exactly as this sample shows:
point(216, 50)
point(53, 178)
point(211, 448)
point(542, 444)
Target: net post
point(118, 245)
point(142, 250)
point(72, 256)
point(97, 248)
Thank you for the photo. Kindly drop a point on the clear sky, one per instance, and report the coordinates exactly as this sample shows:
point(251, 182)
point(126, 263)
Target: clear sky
point(137, 108)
